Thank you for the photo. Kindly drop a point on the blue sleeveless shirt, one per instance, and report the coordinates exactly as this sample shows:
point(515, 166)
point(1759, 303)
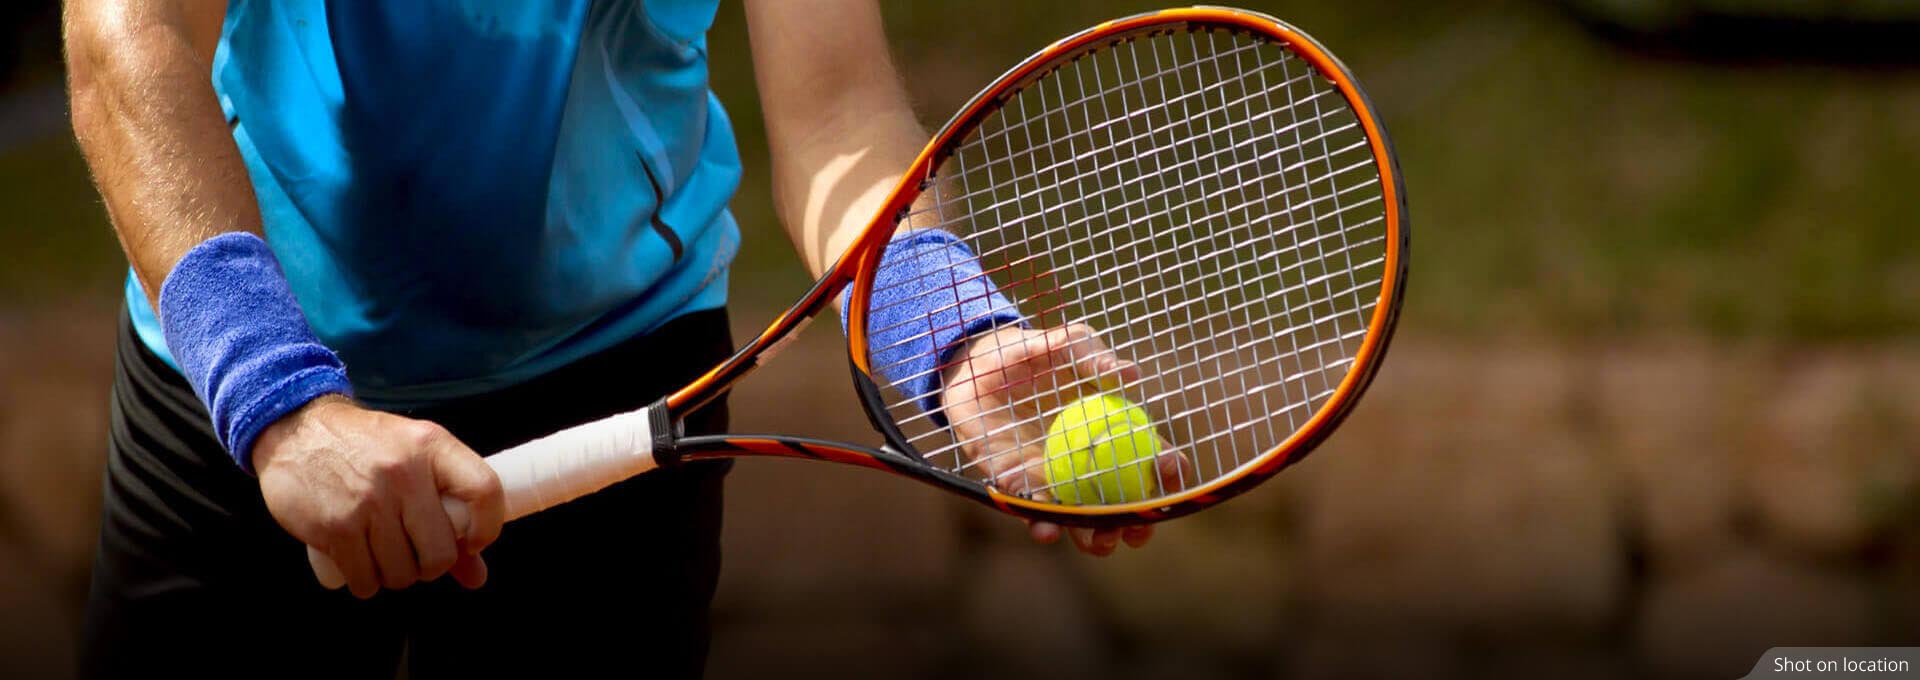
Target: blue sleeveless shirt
point(465, 193)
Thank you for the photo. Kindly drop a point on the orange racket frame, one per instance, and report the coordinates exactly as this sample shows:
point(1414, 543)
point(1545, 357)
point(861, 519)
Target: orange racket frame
point(856, 268)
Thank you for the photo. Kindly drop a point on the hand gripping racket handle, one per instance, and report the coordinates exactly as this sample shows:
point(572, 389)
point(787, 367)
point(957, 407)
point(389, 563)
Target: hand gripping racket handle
point(548, 471)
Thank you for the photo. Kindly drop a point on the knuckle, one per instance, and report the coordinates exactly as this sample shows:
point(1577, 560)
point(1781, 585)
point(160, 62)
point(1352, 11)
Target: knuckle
point(339, 528)
point(365, 506)
point(390, 463)
point(423, 433)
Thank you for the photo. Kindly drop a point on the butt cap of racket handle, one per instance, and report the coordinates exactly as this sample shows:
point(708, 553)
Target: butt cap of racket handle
point(329, 574)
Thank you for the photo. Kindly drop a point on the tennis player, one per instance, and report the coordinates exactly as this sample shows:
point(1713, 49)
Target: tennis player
point(369, 239)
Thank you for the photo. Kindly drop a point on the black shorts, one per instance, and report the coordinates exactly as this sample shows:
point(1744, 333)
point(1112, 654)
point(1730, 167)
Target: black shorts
point(194, 578)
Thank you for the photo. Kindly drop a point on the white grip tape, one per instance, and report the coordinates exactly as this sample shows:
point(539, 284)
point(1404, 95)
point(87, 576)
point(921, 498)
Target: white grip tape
point(546, 472)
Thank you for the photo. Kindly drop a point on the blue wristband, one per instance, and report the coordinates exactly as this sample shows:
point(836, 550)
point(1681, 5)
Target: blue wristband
point(238, 334)
point(928, 294)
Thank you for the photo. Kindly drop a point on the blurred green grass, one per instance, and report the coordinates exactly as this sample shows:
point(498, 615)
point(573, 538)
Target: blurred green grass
point(55, 243)
point(1559, 187)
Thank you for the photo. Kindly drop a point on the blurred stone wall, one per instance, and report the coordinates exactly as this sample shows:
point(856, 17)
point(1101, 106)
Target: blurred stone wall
point(1665, 508)
point(54, 373)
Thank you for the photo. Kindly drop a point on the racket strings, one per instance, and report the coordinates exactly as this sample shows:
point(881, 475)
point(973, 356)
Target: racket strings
point(1079, 224)
point(1158, 353)
point(1117, 286)
point(1092, 133)
point(1113, 285)
point(1086, 98)
point(1364, 161)
point(1207, 206)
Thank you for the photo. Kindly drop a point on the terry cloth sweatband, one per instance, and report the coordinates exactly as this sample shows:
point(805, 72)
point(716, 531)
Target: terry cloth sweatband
point(233, 326)
point(928, 294)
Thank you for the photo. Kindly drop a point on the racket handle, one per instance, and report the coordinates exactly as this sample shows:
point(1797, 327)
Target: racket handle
point(548, 471)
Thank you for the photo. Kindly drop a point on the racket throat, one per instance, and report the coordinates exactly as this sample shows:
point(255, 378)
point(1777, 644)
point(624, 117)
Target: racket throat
point(875, 406)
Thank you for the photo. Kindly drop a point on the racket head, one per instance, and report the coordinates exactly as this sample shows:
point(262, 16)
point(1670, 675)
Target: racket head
point(1210, 191)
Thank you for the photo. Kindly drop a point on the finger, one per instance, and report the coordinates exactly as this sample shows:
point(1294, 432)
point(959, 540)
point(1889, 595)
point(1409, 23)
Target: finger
point(1032, 469)
point(1082, 538)
point(1044, 533)
point(356, 561)
point(1103, 541)
point(1176, 471)
point(1090, 358)
point(1011, 458)
point(463, 474)
point(1137, 536)
point(427, 525)
point(470, 570)
point(392, 552)
point(1079, 348)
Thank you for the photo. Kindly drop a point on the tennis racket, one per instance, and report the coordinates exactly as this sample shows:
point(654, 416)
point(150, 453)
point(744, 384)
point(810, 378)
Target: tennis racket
point(1207, 192)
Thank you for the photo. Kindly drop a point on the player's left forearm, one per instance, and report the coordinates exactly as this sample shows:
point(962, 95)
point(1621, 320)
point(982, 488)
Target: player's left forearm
point(839, 125)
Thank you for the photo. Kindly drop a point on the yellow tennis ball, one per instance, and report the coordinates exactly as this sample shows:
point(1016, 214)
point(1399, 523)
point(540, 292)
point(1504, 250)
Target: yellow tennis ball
point(1100, 450)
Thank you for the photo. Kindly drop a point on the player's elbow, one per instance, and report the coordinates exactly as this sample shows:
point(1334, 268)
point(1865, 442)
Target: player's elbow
point(99, 35)
point(99, 39)
point(115, 50)
point(86, 101)
point(82, 40)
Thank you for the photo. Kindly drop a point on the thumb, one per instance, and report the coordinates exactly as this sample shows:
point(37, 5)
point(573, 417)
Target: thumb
point(1090, 358)
point(470, 571)
point(1176, 471)
point(460, 473)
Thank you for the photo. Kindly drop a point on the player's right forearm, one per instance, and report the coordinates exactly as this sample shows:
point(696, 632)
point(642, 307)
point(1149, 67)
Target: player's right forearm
point(151, 128)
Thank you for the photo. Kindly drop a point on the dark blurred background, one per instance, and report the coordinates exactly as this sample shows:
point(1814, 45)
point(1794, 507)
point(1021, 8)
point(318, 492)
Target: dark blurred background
point(1655, 405)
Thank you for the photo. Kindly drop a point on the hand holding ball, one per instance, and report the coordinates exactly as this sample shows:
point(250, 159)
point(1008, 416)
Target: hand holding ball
point(1101, 450)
